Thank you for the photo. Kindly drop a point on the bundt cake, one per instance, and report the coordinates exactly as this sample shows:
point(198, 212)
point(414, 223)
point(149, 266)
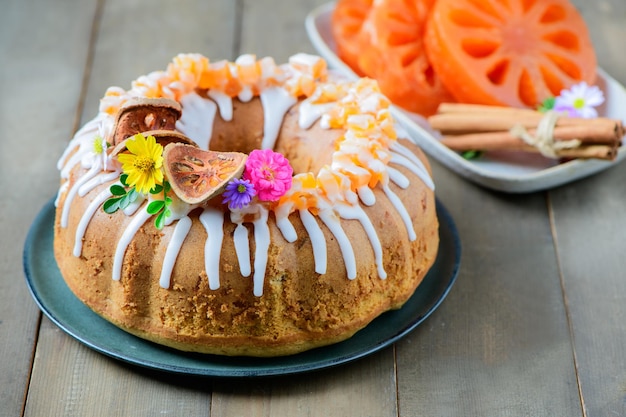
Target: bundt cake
point(244, 208)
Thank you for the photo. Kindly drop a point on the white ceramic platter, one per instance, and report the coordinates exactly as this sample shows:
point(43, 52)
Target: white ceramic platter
point(503, 171)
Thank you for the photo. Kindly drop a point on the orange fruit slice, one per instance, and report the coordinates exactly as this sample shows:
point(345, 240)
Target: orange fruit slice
point(397, 58)
point(346, 22)
point(515, 53)
point(197, 175)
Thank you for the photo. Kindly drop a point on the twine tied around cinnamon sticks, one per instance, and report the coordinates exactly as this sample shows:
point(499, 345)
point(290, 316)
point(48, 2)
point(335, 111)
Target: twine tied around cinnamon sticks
point(467, 127)
point(544, 136)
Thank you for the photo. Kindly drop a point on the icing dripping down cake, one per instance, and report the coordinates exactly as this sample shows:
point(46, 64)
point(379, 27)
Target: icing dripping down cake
point(244, 208)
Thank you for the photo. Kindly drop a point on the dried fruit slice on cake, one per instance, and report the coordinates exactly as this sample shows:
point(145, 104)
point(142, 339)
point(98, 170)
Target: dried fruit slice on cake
point(142, 114)
point(515, 53)
point(197, 175)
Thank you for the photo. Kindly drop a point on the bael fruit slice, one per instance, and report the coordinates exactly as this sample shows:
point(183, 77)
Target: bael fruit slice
point(197, 175)
point(397, 57)
point(141, 114)
point(515, 53)
point(346, 23)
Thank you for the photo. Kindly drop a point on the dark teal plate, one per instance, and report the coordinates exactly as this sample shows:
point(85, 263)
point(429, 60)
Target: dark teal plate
point(58, 303)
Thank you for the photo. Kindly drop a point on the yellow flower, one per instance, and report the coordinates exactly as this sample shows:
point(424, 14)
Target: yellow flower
point(143, 163)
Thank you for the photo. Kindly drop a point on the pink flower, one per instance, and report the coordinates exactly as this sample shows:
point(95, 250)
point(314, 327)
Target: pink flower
point(269, 172)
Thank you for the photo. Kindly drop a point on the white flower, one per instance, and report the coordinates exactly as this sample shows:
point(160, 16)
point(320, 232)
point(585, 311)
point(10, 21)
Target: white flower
point(99, 151)
point(580, 100)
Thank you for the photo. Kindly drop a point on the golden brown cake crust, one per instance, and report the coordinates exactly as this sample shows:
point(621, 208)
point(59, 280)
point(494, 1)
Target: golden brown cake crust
point(299, 308)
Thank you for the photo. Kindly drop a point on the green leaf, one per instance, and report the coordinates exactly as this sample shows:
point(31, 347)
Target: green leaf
point(125, 201)
point(167, 212)
point(155, 206)
point(157, 189)
point(471, 154)
point(117, 189)
point(159, 222)
point(167, 186)
point(168, 201)
point(123, 179)
point(547, 104)
point(111, 205)
point(132, 195)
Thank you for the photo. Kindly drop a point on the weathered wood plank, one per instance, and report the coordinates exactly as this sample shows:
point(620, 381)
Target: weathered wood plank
point(276, 28)
point(366, 388)
point(133, 38)
point(589, 221)
point(40, 78)
point(142, 36)
point(72, 380)
point(499, 345)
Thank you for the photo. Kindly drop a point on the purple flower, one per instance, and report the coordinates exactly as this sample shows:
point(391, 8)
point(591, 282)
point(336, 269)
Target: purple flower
point(238, 193)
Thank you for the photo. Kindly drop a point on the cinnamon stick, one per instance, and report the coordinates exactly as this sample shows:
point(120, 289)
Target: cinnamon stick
point(585, 134)
point(506, 141)
point(490, 121)
point(481, 127)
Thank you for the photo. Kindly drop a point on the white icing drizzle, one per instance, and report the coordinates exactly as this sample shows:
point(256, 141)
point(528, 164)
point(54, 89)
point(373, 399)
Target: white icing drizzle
point(224, 103)
point(173, 249)
point(73, 191)
point(129, 233)
point(62, 189)
point(213, 222)
point(84, 140)
point(363, 153)
point(99, 179)
point(318, 241)
point(286, 228)
point(242, 249)
point(261, 239)
point(197, 119)
point(310, 113)
point(276, 102)
point(366, 195)
point(245, 60)
point(404, 214)
point(330, 219)
point(86, 219)
point(262, 245)
point(401, 155)
point(355, 212)
point(398, 178)
point(246, 94)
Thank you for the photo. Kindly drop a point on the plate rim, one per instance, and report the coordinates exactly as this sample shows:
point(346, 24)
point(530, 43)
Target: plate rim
point(539, 180)
point(43, 220)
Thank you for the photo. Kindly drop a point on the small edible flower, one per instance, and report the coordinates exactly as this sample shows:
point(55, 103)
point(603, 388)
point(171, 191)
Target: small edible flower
point(579, 101)
point(269, 172)
point(143, 164)
point(99, 150)
point(238, 193)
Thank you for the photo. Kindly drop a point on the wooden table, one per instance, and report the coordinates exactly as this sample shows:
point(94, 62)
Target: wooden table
point(535, 325)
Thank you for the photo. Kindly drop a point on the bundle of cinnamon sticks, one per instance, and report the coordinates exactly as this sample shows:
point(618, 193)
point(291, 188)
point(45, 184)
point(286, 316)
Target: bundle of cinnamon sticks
point(471, 127)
